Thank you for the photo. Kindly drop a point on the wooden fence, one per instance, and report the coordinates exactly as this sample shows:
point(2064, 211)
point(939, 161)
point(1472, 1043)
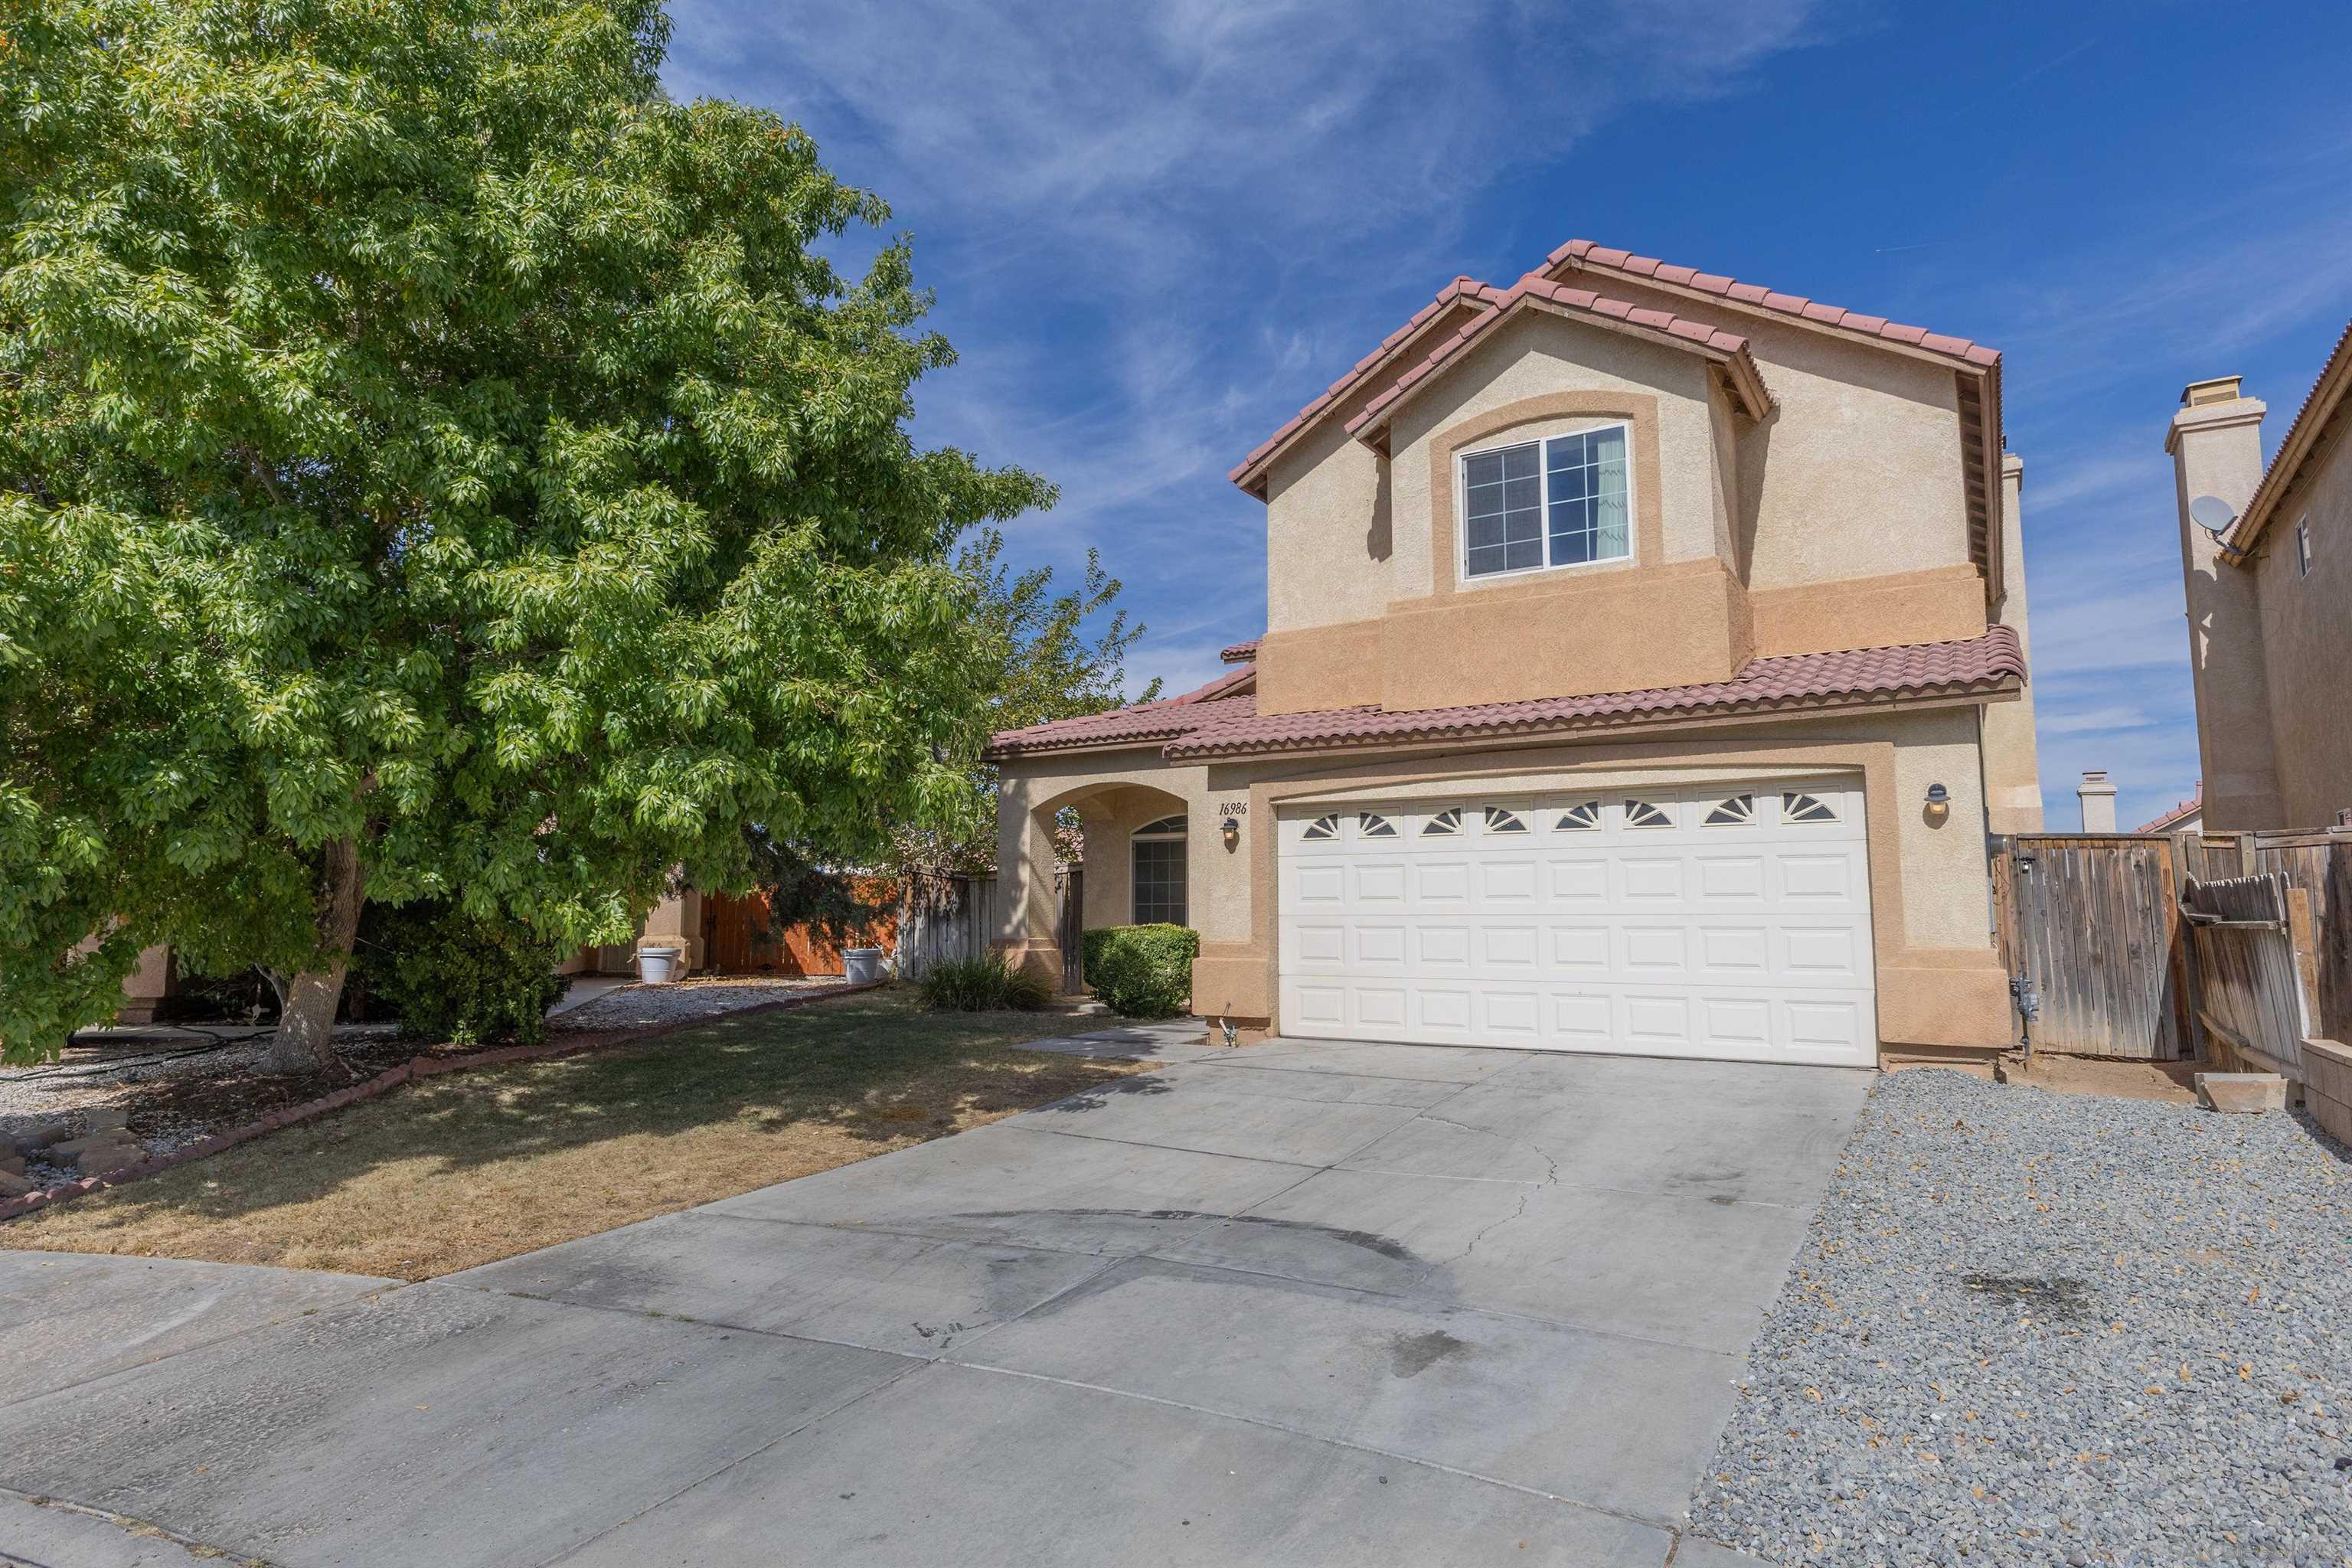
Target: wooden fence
point(946, 919)
point(2092, 920)
point(2164, 949)
point(2251, 994)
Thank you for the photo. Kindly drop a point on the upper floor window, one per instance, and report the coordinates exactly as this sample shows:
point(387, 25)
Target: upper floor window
point(1557, 502)
point(2303, 548)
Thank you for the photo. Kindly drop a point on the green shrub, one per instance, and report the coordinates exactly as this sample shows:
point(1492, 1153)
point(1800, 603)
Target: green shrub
point(454, 976)
point(982, 985)
point(1143, 972)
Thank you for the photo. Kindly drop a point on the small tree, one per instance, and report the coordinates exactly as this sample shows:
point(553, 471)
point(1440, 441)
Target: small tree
point(1041, 663)
point(434, 464)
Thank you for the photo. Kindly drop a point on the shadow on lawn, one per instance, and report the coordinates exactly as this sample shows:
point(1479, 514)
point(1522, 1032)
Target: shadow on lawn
point(876, 1070)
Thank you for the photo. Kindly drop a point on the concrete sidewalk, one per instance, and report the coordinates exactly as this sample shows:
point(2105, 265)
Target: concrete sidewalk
point(1300, 1303)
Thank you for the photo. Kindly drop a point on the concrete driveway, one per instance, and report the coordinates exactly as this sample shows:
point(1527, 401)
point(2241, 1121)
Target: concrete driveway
point(1302, 1303)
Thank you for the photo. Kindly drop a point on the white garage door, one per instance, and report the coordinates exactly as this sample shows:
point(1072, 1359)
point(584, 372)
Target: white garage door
point(1731, 922)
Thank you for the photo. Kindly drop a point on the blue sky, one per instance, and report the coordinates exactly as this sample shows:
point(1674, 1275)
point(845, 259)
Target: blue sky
point(1155, 231)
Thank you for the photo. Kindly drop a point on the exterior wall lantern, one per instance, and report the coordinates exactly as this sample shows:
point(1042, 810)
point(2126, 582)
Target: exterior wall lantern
point(1233, 832)
point(1940, 802)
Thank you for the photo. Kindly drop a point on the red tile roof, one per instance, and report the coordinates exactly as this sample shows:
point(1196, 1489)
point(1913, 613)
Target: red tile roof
point(2190, 807)
point(1193, 726)
point(1583, 254)
point(1223, 698)
point(1240, 652)
point(2302, 438)
point(1579, 254)
point(1535, 287)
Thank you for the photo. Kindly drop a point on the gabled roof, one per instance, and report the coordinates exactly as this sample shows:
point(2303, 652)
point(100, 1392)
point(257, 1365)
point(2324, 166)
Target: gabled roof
point(1197, 726)
point(2301, 439)
point(1583, 255)
point(1979, 366)
point(1536, 292)
point(1463, 294)
point(2187, 808)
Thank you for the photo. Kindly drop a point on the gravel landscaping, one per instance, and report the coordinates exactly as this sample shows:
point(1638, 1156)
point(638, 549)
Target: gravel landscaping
point(2035, 1328)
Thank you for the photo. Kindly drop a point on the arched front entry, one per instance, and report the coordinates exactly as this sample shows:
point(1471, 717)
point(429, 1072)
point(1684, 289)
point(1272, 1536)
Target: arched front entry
point(1134, 844)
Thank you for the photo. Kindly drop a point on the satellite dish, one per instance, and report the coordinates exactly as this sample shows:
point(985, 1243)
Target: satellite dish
point(2213, 514)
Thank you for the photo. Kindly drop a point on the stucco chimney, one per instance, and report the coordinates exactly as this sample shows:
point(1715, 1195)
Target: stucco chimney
point(2098, 798)
point(2216, 443)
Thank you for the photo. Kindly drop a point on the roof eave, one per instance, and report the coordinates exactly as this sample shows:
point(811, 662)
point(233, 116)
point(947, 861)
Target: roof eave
point(2304, 437)
point(1955, 694)
point(1742, 376)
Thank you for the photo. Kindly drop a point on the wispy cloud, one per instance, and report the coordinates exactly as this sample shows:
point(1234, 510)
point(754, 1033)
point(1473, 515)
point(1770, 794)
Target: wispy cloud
point(1158, 218)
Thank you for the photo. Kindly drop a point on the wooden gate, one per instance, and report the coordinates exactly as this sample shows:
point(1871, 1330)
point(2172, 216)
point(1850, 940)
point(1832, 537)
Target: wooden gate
point(2093, 922)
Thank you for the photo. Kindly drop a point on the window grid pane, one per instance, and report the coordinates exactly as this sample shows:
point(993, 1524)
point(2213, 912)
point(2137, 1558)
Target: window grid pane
point(1158, 881)
point(1588, 496)
point(1502, 511)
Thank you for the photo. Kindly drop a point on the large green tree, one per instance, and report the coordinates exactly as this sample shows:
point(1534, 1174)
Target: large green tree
point(432, 463)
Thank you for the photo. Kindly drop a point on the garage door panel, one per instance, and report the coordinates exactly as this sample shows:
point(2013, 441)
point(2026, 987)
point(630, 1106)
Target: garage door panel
point(1378, 884)
point(1578, 882)
point(1440, 884)
point(1742, 1024)
point(1506, 884)
point(1514, 1015)
point(1658, 1020)
point(1378, 1007)
point(1823, 877)
point(1376, 944)
point(1320, 885)
point(1442, 1008)
point(1583, 1022)
point(1827, 1024)
point(1440, 947)
point(1649, 878)
point(1720, 881)
point(1580, 948)
point(1653, 951)
point(1683, 921)
point(1829, 954)
point(1508, 949)
point(1319, 944)
point(1733, 953)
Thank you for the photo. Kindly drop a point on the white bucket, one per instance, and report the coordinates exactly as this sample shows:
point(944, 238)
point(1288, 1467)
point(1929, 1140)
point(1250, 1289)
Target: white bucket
point(861, 965)
point(657, 965)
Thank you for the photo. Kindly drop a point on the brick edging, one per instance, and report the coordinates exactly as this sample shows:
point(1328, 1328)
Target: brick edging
point(384, 1082)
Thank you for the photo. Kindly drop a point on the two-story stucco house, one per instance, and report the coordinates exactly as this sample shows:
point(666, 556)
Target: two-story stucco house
point(2270, 599)
point(1644, 670)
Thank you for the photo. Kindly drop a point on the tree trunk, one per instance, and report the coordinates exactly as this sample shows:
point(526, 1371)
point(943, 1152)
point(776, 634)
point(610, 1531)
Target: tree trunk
point(305, 1041)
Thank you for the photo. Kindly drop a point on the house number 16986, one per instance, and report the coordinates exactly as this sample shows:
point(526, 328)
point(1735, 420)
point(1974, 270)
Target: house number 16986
point(1234, 808)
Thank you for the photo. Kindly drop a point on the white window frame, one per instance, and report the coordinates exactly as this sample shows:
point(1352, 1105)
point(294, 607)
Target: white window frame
point(1462, 574)
point(2303, 546)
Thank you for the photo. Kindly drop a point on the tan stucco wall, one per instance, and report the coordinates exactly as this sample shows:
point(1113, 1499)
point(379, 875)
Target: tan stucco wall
point(1330, 534)
point(1858, 471)
point(2306, 631)
point(2012, 760)
point(1552, 637)
point(1939, 981)
point(2217, 450)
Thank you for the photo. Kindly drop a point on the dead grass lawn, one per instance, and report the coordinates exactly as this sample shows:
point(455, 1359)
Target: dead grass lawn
point(458, 1171)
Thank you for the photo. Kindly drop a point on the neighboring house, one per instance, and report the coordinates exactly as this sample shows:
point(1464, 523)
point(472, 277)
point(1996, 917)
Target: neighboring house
point(2189, 817)
point(1645, 667)
point(2268, 574)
